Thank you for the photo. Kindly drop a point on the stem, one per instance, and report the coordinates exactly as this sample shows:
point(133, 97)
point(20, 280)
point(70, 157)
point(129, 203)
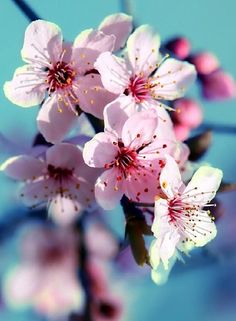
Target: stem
point(219, 128)
point(25, 8)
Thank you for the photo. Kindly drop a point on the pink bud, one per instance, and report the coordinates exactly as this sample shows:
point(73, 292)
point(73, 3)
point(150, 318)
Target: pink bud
point(218, 86)
point(188, 113)
point(181, 131)
point(205, 62)
point(179, 46)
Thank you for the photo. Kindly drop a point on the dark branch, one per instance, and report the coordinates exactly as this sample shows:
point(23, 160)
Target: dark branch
point(25, 8)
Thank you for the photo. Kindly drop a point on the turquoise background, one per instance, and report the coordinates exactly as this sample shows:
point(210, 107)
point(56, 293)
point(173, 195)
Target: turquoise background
point(205, 287)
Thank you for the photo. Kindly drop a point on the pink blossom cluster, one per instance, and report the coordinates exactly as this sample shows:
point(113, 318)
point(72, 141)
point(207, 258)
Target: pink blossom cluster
point(118, 79)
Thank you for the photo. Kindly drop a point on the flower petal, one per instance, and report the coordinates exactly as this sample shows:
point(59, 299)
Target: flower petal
point(23, 167)
point(160, 275)
point(36, 192)
point(170, 178)
point(21, 285)
point(120, 25)
point(139, 129)
point(114, 73)
point(141, 186)
point(87, 47)
point(203, 185)
point(117, 112)
point(64, 211)
point(108, 190)
point(26, 89)
point(42, 43)
point(100, 150)
point(172, 78)
point(201, 230)
point(64, 155)
point(143, 50)
point(52, 123)
point(93, 97)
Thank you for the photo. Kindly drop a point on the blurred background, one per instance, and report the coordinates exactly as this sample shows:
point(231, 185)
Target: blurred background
point(204, 288)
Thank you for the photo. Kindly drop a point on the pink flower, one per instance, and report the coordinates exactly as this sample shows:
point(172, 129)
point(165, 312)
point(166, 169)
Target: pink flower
point(181, 222)
point(46, 279)
point(62, 74)
point(218, 85)
point(130, 151)
point(142, 77)
point(61, 180)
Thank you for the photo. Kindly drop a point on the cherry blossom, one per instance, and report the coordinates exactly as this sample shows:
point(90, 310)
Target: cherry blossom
point(143, 75)
point(61, 180)
point(130, 150)
point(60, 76)
point(46, 276)
point(181, 221)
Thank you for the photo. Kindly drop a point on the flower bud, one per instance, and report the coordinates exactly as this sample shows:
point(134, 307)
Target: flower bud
point(205, 62)
point(219, 85)
point(188, 113)
point(179, 46)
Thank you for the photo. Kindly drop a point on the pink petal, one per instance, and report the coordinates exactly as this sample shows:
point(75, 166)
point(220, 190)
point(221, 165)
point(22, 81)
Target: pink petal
point(100, 150)
point(117, 112)
point(203, 185)
point(93, 97)
point(23, 167)
point(143, 50)
point(170, 178)
point(87, 47)
point(26, 89)
point(139, 129)
point(108, 191)
point(64, 155)
point(21, 285)
point(144, 187)
point(64, 211)
point(114, 73)
point(35, 193)
point(172, 79)
point(43, 42)
point(52, 123)
point(100, 242)
point(120, 25)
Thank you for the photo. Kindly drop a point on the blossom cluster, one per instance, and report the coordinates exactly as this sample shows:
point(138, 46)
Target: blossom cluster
point(120, 80)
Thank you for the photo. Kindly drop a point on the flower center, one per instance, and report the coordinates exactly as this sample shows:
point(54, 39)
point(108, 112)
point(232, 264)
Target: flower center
point(59, 173)
point(125, 160)
point(60, 76)
point(139, 88)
